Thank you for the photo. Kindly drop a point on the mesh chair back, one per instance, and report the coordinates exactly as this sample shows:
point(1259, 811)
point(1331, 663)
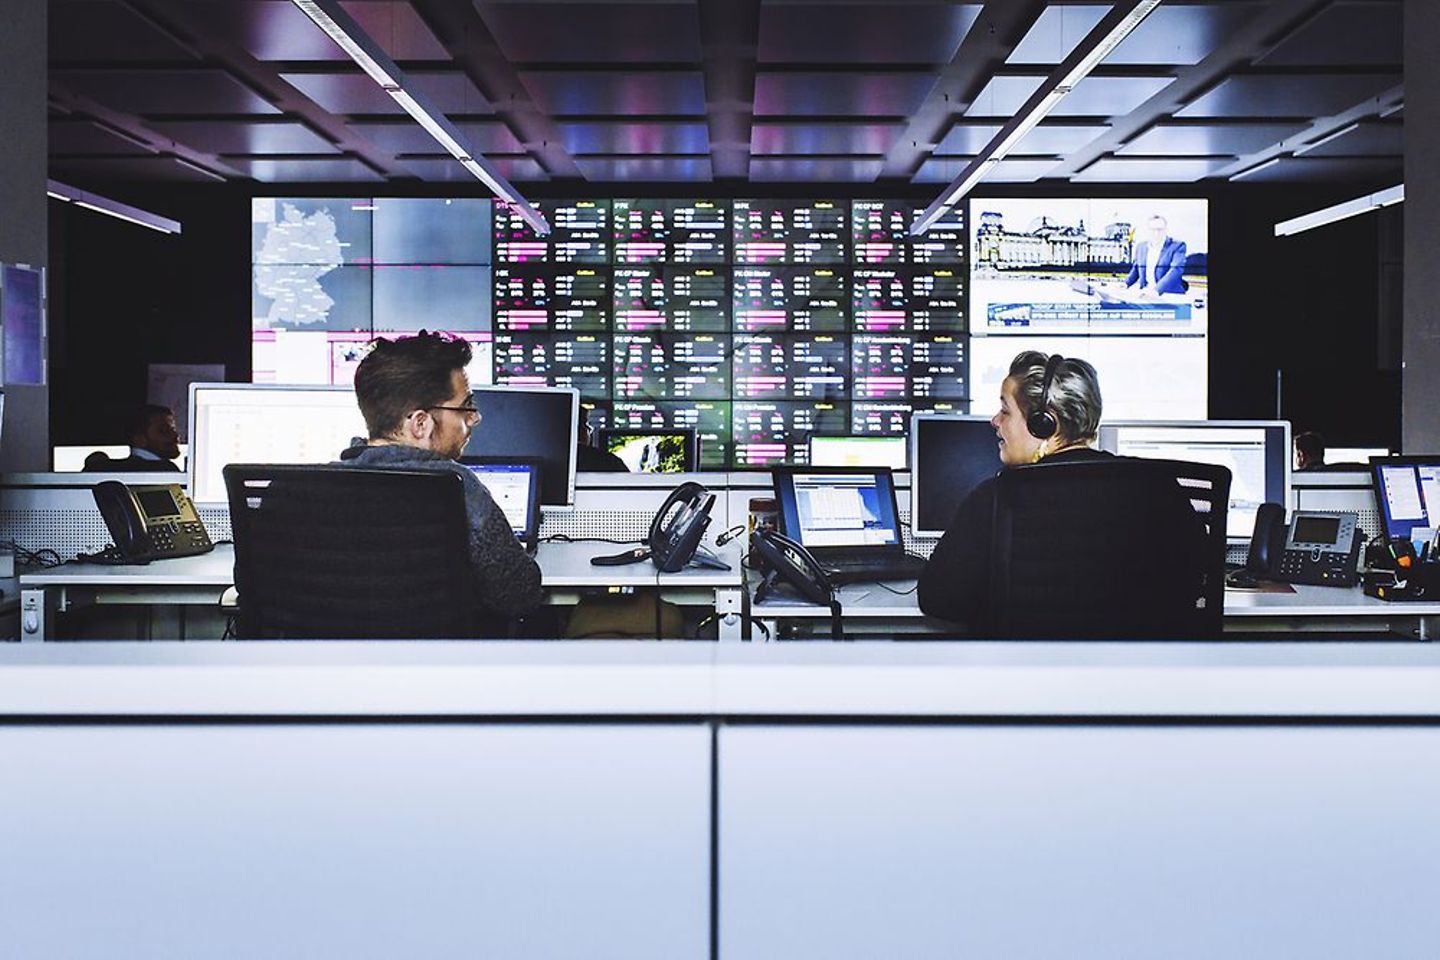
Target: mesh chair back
point(1111, 549)
point(333, 552)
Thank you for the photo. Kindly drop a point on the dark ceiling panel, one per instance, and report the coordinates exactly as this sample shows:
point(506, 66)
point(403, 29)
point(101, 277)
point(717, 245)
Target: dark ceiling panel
point(407, 136)
point(221, 136)
point(967, 139)
point(106, 30)
point(1183, 34)
point(1366, 140)
point(645, 169)
point(531, 32)
point(1348, 34)
point(1006, 171)
point(827, 138)
point(200, 92)
point(356, 93)
point(818, 170)
point(1290, 95)
point(1310, 169)
point(448, 170)
point(1092, 97)
point(637, 93)
point(1211, 139)
point(277, 30)
point(303, 169)
point(1148, 169)
point(82, 136)
point(606, 137)
point(81, 170)
point(841, 94)
point(1057, 31)
point(864, 33)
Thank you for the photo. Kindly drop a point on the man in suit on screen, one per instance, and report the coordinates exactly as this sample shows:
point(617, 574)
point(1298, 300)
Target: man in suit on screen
point(1159, 262)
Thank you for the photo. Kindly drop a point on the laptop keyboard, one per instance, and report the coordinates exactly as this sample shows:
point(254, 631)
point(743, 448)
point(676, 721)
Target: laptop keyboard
point(903, 566)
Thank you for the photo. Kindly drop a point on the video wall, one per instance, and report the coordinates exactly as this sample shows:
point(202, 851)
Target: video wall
point(756, 322)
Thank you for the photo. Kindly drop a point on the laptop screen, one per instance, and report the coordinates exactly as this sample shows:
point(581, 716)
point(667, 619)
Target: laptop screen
point(513, 487)
point(834, 508)
point(1408, 492)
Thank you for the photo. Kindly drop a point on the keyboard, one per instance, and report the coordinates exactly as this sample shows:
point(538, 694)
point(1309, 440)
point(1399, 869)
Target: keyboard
point(904, 566)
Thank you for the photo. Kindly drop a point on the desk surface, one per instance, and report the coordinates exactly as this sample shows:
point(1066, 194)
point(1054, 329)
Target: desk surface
point(899, 602)
point(598, 679)
point(562, 565)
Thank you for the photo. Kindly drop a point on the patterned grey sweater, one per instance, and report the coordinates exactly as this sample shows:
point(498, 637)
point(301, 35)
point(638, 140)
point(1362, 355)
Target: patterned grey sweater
point(507, 579)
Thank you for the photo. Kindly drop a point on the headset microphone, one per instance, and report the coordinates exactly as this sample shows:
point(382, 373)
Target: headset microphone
point(1042, 423)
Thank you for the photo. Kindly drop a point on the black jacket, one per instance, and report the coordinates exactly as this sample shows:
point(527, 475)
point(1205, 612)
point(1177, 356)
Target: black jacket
point(956, 580)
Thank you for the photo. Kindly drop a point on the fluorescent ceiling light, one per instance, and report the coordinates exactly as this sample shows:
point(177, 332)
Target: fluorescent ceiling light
point(339, 26)
point(1106, 36)
point(113, 208)
point(1256, 169)
point(1341, 211)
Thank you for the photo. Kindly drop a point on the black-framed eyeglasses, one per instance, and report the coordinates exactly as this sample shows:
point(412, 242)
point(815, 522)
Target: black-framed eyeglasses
point(467, 409)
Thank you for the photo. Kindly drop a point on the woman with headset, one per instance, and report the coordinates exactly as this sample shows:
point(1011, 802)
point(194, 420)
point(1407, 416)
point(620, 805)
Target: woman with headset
point(1049, 410)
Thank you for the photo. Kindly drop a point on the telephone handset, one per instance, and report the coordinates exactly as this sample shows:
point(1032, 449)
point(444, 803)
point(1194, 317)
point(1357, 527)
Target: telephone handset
point(150, 522)
point(783, 559)
point(678, 527)
point(1314, 548)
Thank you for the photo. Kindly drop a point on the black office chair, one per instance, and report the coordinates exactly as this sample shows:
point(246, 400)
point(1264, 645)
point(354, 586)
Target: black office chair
point(331, 552)
point(1121, 549)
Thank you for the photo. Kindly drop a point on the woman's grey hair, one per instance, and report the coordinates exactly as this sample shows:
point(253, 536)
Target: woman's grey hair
point(1074, 393)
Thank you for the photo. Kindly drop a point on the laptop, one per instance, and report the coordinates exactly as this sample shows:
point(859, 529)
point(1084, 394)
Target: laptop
point(514, 485)
point(848, 519)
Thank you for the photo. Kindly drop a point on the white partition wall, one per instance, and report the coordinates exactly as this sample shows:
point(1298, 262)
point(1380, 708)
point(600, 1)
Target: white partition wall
point(356, 841)
point(1043, 842)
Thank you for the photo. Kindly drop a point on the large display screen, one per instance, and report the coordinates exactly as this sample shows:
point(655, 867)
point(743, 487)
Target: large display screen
point(1123, 283)
point(758, 323)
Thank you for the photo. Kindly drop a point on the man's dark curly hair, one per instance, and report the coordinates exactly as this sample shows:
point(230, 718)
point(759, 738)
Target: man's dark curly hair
point(405, 374)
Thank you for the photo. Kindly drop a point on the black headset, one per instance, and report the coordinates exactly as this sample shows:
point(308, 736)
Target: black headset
point(1042, 423)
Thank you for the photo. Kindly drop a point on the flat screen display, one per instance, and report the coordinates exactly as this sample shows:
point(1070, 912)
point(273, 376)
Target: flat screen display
point(538, 423)
point(949, 456)
point(1407, 490)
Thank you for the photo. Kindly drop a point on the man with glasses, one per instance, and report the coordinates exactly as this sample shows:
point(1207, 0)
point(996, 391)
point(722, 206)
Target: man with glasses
point(415, 397)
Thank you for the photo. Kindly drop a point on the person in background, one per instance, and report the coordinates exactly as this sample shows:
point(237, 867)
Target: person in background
point(1309, 451)
point(154, 444)
point(1159, 264)
point(415, 397)
point(592, 459)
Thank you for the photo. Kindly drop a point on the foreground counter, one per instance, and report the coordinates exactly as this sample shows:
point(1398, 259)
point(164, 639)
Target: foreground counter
point(640, 800)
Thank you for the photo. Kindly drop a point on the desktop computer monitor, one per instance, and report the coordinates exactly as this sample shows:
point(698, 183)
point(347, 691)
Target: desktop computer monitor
point(1407, 491)
point(1256, 451)
point(532, 422)
point(265, 423)
point(949, 455)
point(858, 452)
point(653, 451)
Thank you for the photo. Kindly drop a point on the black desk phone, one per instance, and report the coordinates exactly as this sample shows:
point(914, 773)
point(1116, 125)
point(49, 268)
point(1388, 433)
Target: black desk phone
point(1314, 548)
point(150, 522)
point(675, 534)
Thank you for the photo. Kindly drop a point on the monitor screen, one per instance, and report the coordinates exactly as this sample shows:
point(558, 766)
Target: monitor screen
point(668, 451)
point(1407, 490)
point(858, 452)
point(1256, 451)
point(534, 422)
point(512, 487)
point(261, 423)
point(950, 455)
point(838, 508)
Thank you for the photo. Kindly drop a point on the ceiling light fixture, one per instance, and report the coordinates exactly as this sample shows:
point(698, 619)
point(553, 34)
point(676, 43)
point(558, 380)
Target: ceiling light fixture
point(1097, 45)
point(112, 208)
point(1336, 135)
point(1341, 211)
point(339, 26)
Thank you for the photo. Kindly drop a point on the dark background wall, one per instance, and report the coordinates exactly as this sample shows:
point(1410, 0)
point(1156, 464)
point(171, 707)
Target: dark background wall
point(1323, 307)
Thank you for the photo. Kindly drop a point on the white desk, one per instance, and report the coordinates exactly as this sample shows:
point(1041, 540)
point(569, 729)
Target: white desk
point(202, 580)
point(1309, 609)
